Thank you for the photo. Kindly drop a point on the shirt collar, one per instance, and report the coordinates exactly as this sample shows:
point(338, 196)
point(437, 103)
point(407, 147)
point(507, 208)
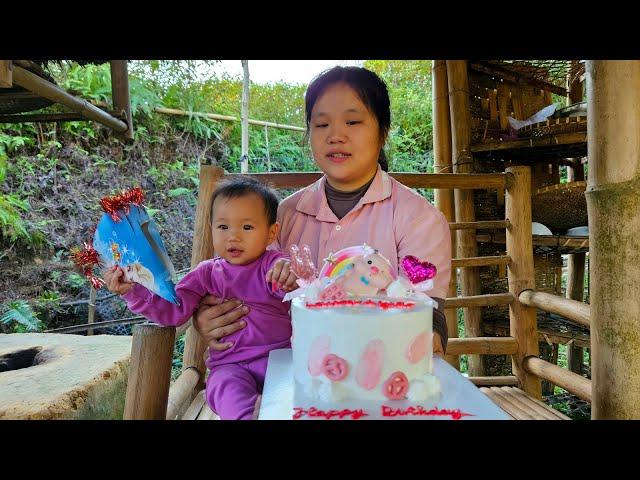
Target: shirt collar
point(314, 200)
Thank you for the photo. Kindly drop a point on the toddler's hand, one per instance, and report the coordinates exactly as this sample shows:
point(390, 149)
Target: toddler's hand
point(115, 282)
point(281, 276)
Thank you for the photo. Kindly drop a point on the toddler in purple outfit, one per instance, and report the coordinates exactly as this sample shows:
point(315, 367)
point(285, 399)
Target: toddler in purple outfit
point(243, 222)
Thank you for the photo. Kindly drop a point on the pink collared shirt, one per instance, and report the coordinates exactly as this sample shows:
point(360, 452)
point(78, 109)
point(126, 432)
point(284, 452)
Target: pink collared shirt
point(390, 217)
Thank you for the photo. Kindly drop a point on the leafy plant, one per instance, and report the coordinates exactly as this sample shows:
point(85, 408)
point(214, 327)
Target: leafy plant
point(19, 314)
point(76, 281)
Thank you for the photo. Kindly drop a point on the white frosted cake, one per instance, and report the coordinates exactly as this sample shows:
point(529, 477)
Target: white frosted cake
point(358, 334)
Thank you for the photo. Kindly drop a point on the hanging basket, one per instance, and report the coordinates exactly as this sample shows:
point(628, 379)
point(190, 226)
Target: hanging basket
point(561, 206)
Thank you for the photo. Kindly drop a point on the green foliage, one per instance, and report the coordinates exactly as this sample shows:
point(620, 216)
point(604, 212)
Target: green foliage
point(76, 281)
point(19, 314)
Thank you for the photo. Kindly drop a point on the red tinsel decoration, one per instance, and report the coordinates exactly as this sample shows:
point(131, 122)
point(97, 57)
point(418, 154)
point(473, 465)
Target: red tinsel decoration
point(122, 201)
point(85, 259)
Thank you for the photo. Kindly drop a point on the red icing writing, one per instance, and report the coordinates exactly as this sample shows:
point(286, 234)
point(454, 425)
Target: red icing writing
point(420, 411)
point(363, 303)
point(299, 412)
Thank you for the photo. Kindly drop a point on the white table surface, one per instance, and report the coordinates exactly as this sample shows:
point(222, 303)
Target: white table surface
point(279, 396)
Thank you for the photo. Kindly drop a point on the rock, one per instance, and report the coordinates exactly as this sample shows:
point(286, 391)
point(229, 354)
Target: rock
point(56, 376)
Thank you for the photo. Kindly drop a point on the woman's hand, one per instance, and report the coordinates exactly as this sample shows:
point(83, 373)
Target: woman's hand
point(115, 282)
point(438, 349)
point(217, 318)
point(281, 276)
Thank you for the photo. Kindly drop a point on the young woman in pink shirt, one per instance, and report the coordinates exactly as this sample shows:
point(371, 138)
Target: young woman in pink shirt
point(355, 202)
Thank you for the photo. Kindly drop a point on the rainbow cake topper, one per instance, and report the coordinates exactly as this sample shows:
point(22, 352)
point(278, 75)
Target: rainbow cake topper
point(337, 264)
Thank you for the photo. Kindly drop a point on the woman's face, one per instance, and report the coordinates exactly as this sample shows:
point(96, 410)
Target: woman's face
point(345, 138)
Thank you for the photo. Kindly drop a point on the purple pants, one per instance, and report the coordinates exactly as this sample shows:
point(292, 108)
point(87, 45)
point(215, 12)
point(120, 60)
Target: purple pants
point(232, 389)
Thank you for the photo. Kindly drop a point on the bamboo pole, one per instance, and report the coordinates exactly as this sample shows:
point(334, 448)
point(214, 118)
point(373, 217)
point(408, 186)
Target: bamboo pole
point(479, 225)
point(613, 204)
point(50, 117)
point(120, 94)
point(45, 89)
point(522, 318)
point(266, 148)
point(493, 381)
point(486, 261)
point(443, 198)
point(571, 382)
point(6, 74)
point(244, 162)
point(92, 309)
point(575, 261)
point(573, 310)
point(228, 118)
point(149, 372)
point(488, 299)
point(180, 393)
point(458, 83)
point(483, 346)
point(194, 345)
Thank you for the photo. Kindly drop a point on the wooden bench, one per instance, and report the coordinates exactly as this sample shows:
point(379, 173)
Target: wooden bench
point(521, 406)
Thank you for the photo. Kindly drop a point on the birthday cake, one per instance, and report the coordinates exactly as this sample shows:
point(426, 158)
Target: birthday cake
point(360, 333)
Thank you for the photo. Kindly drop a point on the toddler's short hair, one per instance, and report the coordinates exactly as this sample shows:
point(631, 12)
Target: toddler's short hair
point(237, 187)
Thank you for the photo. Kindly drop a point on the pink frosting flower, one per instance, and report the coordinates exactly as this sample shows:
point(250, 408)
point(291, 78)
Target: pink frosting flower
point(396, 386)
point(334, 367)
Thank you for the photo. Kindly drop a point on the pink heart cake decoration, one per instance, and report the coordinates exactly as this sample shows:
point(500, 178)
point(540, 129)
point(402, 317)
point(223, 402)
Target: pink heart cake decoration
point(416, 270)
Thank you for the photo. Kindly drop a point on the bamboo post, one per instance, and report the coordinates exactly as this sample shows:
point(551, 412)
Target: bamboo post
point(194, 345)
point(266, 142)
point(613, 203)
point(149, 372)
point(575, 261)
point(522, 318)
point(120, 94)
point(458, 83)
point(6, 74)
point(442, 164)
point(244, 165)
point(92, 309)
point(48, 90)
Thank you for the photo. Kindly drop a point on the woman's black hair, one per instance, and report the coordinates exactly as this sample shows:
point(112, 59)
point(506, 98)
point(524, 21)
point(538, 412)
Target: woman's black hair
point(237, 187)
point(370, 88)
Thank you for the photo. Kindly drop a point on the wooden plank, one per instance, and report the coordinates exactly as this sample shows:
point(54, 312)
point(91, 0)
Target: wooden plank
point(6, 74)
point(558, 241)
point(488, 299)
point(540, 404)
point(482, 346)
point(498, 401)
point(51, 117)
point(507, 404)
point(493, 104)
point(196, 406)
point(480, 261)
point(503, 106)
point(181, 392)
point(505, 74)
point(535, 410)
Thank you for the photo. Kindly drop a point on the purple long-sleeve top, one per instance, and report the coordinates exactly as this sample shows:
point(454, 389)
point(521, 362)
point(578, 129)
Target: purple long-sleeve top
point(268, 321)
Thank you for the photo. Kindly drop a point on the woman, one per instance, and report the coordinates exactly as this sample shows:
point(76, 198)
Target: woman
point(355, 202)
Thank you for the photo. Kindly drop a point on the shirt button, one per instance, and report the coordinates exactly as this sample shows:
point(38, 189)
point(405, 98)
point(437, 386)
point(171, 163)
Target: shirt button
point(338, 227)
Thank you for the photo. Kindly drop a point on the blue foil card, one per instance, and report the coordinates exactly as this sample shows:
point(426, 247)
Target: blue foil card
point(134, 244)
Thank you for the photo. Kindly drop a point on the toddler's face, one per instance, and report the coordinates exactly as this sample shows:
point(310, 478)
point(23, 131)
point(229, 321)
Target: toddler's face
point(241, 231)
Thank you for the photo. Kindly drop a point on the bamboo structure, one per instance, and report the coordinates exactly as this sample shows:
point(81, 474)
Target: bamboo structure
point(464, 206)
point(573, 310)
point(6, 74)
point(483, 346)
point(571, 382)
point(613, 202)
point(443, 198)
point(244, 162)
point(522, 319)
point(43, 88)
point(149, 373)
point(120, 94)
point(194, 345)
point(575, 261)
